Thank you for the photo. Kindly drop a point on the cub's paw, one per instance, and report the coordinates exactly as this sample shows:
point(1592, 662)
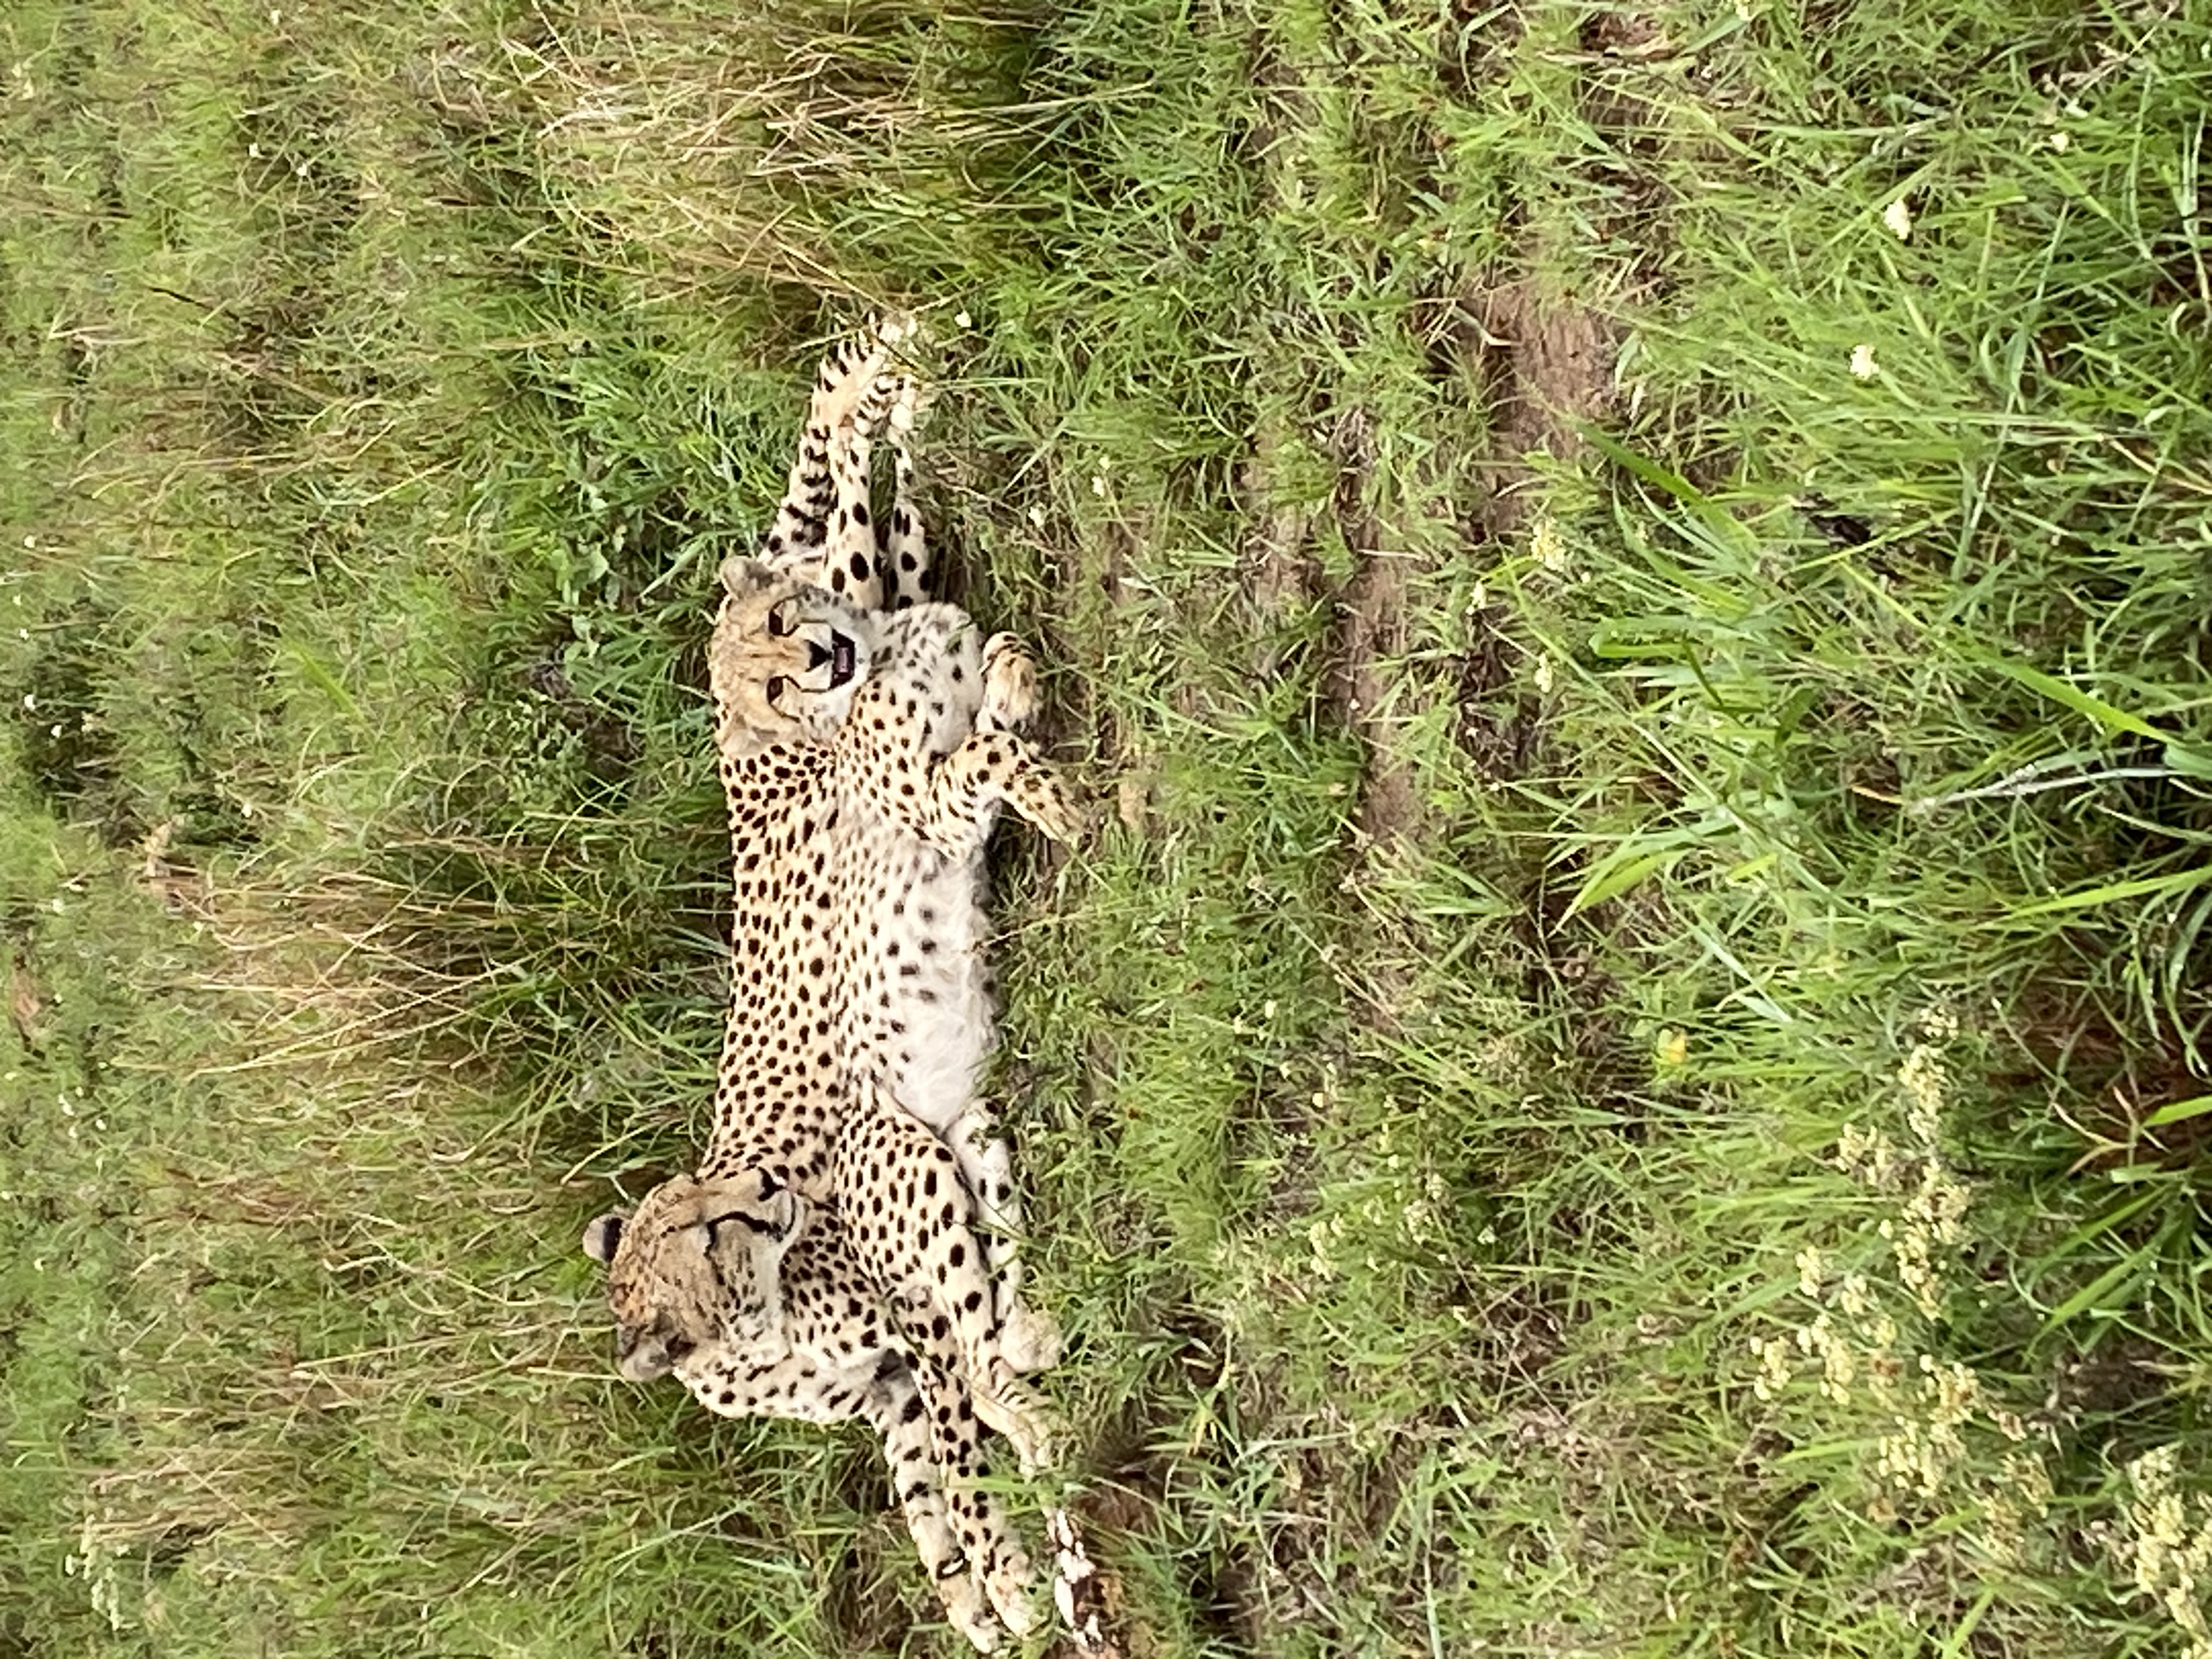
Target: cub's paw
point(966, 1612)
point(1030, 1341)
point(1010, 685)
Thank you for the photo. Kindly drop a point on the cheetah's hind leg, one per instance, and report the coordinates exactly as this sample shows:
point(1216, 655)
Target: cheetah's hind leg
point(1028, 1338)
point(853, 392)
point(924, 1253)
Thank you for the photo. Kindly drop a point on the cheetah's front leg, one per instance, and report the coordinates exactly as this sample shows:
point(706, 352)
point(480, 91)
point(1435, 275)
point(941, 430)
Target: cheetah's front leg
point(821, 534)
point(1001, 1566)
point(963, 1568)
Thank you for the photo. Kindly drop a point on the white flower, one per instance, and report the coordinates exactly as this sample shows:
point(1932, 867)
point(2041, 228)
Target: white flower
point(1863, 362)
point(1899, 217)
point(962, 319)
point(1550, 549)
point(2061, 141)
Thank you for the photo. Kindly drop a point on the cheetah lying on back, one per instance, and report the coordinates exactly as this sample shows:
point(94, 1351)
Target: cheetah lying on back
point(824, 1263)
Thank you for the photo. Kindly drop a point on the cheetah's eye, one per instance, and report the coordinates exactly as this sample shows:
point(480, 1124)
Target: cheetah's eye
point(775, 685)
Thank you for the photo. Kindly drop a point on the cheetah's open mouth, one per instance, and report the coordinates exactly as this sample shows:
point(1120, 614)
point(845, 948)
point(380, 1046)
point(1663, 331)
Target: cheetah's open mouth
point(840, 660)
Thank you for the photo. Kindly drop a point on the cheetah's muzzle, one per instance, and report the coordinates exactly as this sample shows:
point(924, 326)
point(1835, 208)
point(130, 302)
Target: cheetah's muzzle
point(841, 660)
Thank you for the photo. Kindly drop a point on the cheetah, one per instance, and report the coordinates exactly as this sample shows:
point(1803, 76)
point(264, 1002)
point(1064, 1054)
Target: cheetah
point(811, 821)
point(804, 1335)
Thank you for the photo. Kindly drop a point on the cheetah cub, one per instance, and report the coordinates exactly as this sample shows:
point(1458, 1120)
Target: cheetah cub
point(757, 1302)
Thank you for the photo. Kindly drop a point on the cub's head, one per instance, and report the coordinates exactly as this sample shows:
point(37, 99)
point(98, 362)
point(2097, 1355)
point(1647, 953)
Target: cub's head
point(698, 1267)
point(785, 657)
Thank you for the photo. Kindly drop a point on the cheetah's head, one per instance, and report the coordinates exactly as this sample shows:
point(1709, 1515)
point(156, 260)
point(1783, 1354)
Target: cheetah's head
point(698, 1267)
point(786, 658)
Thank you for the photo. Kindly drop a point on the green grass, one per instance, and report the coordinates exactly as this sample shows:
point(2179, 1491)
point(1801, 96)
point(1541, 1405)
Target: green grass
point(1623, 1073)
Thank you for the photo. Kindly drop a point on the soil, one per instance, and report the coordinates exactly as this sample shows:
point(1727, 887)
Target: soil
point(1542, 369)
point(1546, 369)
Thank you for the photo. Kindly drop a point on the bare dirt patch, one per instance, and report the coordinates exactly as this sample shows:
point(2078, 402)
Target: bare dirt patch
point(1543, 368)
point(1275, 565)
point(1538, 369)
point(1368, 634)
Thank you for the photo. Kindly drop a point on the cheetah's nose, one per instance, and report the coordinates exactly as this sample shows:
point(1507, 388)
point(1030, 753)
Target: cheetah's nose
point(818, 656)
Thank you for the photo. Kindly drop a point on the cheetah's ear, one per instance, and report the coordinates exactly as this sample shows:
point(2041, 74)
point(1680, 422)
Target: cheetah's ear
point(603, 1237)
point(743, 576)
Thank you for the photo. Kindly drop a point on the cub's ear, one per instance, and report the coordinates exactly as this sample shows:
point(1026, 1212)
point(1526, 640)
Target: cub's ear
point(603, 1237)
point(787, 1212)
point(743, 576)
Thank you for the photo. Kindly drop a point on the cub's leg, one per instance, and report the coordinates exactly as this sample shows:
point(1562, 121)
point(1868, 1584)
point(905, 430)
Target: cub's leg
point(799, 1387)
point(908, 1213)
point(906, 709)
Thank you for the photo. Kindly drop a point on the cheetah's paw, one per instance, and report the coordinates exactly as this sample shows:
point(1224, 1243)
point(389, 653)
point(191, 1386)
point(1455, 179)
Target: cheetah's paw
point(1052, 809)
point(1010, 1586)
point(1008, 1405)
point(966, 1612)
